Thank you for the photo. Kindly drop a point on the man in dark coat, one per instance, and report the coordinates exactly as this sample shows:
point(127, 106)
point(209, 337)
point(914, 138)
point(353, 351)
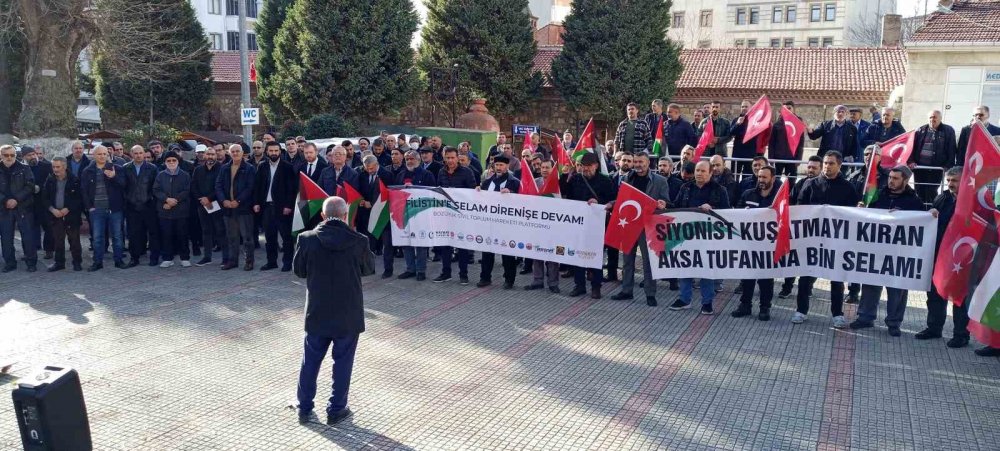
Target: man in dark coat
point(372, 172)
point(234, 190)
point(40, 170)
point(738, 130)
point(172, 191)
point(103, 187)
point(897, 195)
point(933, 145)
point(64, 204)
point(778, 148)
point(312, 165)
point(592, 187)
point(677, 131)
point(333, 259)
point(760, 196)
point(213, 229)
point(338, 173)
point(812, 171)
point(274, 199)
point(885, 130)
point(503, 181)
point(982, 115)
point(17, 191)
point(414, 174)
point(454, 175)
point(837, 134)
point(140, 208)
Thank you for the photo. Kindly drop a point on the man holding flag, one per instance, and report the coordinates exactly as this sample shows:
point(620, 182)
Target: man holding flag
point(452, 175)
point(543, 271)
point(591, 187)
point(370, 183)
point(763, 195)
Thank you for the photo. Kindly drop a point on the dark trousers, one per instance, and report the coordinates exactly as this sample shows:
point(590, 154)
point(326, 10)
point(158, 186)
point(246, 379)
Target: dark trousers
point(937, 314)
point(789, 169)
point(175, 238)
point(61, 231)
point(580, 277)
point(805, 289)
point(766, 292)
point(612, 262)
point(787, 284)
point(213, 231)
point(143, 229)
point(24, 223)
point(239, 226)
point(275, 224)
point(463, 261)
point(343, 364)
point(509, 267)
point(743, 169)
point(258, 226)
point(854, 289)
point(388, 251)
point(43, 230)
point(194, 226)
point(927, 183)
point(529, 264)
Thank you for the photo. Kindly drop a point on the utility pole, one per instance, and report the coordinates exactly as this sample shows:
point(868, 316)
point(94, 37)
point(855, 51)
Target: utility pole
point(244, 68)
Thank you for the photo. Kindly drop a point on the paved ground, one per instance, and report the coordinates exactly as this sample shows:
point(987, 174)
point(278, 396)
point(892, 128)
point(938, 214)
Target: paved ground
point(201, 359)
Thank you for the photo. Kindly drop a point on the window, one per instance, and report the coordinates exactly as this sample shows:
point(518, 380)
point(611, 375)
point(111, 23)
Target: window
point(814, 13)
point(775, 43)
point(788, 42)
point(831, 12)
point(215, 6)
point(739, 43)
point(233, 41)
point(790, 14)
point(741, 16)
point(232, 8)
point(754, 15)
point(751, 43)
point(706, 18)
point(216, 40)
point(704, 44)
point(777, 14)
point(813, 42)
point(678, 21)
point(828, 42)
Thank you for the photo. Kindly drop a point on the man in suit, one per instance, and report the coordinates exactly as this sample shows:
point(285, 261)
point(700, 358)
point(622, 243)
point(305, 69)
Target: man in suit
point(656, 187)
point(312, 164)
point(428, 162)
point(333, 259)
point(368, 186)
point(338, 172)
point(274, 198)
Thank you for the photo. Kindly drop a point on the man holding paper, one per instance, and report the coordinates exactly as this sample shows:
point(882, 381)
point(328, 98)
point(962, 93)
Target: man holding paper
point(213, 231)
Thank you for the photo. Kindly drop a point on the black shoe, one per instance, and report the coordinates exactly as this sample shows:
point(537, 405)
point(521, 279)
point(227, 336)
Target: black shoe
point(483, 283)
point(56, 267)
point(566, 274)
point(421, 277)
point(228, 266)
point(463, 280)
point(622, 296)
point(534, 286)
point(95, 267)
point(674, 286)
point(338, 416)
point(508, 285)
point(248, 265)
point(77, 267)
point(554, 290)
point(611, 278)
point(120, 264)
point(32, 268)
point(958, 342)
point(651, 301)
point(268, 266)
point(927, 334)
point(48, 255)
point(286, 268)
point(304, 417)
point(706, 309)
point(894, 331)
point(987, 351)
point(153, 262)
point(132, 263)
point(386, 274)
point(741, 311)
point(858, 324)
point(851, 299)
point(8, 269)
point(679, 305)
point(764, 315)
point(784, 294)
point(204, 260)
point(406, 275)
point(577, 291)
point(595, 293)
point(441, 278)
point(719, 287)
point(217, 248)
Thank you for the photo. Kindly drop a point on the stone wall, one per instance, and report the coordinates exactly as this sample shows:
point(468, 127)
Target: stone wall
point(224, 109)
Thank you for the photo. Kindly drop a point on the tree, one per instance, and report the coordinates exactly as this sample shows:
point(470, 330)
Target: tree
point(615, 52)
point(493, 46)
point(350, 58)
point(269, 21)
point(12, 60)
point(166, 77)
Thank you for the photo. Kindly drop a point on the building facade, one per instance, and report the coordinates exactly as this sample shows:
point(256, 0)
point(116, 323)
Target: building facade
point(549, 11)
point(220, 18)
point(781, 23)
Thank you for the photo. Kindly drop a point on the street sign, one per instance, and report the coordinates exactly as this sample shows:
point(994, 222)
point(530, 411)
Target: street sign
point(250, 116)
point(521, 130)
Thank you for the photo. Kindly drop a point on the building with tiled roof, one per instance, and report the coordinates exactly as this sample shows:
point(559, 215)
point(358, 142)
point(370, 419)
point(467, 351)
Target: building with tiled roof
point(224, 108)
point(954, 63)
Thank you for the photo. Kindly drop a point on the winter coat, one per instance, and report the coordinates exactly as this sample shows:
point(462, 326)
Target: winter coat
point(175, 186)
point(18, 183)
point(243, 192)
point(823, 191)
point(139, 187)
point(114, 186)
point(945, 147)
point(72, 198)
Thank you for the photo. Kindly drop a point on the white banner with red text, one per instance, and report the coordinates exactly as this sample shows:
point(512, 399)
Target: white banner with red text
point(536, 227)
point(855, 245)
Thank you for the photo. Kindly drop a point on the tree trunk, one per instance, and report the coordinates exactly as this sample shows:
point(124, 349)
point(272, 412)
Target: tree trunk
point(6, 125)
point(56, 32)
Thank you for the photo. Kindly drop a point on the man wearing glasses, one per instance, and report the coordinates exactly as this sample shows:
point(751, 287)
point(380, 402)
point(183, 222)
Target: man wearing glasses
point(982, 114)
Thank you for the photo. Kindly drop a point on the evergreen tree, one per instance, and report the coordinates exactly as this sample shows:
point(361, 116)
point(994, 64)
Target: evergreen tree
point(346, 57)
point(179, 96)
point(615, 52)
point(269, 21)
point(492, 43)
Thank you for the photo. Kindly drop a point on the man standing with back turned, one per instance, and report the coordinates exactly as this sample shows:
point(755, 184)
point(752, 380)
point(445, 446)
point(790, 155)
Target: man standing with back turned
point(332, 258)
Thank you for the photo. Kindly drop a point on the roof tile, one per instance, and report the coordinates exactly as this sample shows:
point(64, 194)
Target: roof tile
point(969, 21)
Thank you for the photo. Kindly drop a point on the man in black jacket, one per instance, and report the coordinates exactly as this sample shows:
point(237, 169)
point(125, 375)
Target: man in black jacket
point(980, 114)
point(368, 186)
point(312, 165)
point(812, 171)
point(332, 258)
point(837, 134)
point(454, 175)
point(504, 182)
point(274, 198)
point(140, 208)
point(778, 148)
point(103, 187)
point(172, 191)
point(17, 190)
point(829, 188)
point(760, 197)
point(62, 200)
point(943, 209)
point(40, 170)
point(234, 190)
point(592, 187)
point(213, 230)
point(897, 195)
point(934, 145)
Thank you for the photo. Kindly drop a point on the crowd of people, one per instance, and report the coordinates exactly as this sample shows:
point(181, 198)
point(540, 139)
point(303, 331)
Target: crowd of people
point(166, 207)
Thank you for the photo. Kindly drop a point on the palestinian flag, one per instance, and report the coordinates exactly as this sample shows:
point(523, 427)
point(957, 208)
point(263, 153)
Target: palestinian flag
point(984, 307)
point(871, 183)
point(587, 143)
point(380, 212)
point(353, 198)
point(658, 143)
point(309, 202)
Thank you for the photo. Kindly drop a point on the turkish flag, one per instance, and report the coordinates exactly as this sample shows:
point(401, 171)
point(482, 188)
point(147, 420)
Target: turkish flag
point(758, 118)
point(763, 140)
point(253, 71)
point(559, 153)
point(706, 139)
point(794, 129)
point(954, 259)
point(628, 218)
point(982, 166)
point(528, 185)
point(528, 144)
point(783, 240)
point(551, 185)
point(896, 151)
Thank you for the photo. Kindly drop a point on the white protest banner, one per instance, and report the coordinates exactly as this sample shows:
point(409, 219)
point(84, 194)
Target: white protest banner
point(857, 245)
point(537, 227)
